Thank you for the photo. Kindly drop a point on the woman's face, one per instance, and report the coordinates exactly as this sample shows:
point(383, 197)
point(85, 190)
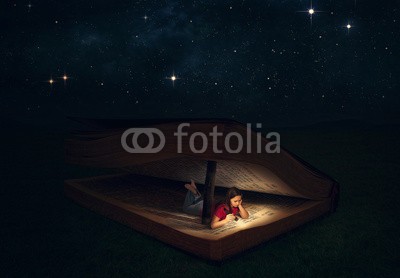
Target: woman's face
point(236, 201)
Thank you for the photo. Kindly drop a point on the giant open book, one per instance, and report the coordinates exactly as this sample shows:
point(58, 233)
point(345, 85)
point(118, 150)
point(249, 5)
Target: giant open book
point(281, 191)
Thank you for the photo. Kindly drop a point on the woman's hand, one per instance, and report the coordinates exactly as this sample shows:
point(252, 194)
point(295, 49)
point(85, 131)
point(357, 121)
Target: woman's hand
point(230, 217)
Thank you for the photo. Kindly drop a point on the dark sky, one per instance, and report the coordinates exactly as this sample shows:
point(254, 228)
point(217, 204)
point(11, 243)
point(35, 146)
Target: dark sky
point(254, 61)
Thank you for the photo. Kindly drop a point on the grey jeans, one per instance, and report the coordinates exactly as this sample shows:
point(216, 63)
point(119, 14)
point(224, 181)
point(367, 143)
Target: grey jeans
point(193, 204)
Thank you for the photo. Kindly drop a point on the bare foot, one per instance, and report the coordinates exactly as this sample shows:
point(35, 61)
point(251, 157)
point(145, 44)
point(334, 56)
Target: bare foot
point(192, 187)
point(188, 187)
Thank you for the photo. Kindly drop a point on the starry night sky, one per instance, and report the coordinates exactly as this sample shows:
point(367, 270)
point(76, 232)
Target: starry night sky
point(253, 61)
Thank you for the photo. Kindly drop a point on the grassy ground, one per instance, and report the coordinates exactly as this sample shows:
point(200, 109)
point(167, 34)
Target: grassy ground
point(45, 234)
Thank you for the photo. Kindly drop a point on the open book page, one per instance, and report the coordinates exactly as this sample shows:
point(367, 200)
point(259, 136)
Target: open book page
point(245, 176)
point(162, 202)
point(261, 213)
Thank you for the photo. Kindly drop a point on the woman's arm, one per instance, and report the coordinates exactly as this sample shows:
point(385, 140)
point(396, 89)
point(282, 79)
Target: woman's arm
point(242, 211)
point(215, 223)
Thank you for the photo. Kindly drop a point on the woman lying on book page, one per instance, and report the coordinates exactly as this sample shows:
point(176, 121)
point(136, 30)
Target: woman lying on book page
point(224, 212)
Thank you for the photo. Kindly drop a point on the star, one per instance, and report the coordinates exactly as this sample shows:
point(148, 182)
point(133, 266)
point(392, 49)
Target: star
point(51, 81)
point(29, 7)
point(145, 17)
point(65, 77)
point(311, 11)
point(173, 78)
point(348, 26)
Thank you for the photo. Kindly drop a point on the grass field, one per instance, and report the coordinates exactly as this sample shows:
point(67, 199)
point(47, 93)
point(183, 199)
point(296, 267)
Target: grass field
point(45, 234)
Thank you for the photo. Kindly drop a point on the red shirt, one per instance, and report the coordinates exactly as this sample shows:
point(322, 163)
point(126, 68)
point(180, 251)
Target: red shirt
point(222, 210)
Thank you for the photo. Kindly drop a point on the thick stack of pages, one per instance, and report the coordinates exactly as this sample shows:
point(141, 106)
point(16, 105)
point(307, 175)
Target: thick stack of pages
point(281, 191)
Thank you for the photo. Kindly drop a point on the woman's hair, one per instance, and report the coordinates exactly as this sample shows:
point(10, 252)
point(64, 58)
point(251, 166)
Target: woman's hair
point(232, 193)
